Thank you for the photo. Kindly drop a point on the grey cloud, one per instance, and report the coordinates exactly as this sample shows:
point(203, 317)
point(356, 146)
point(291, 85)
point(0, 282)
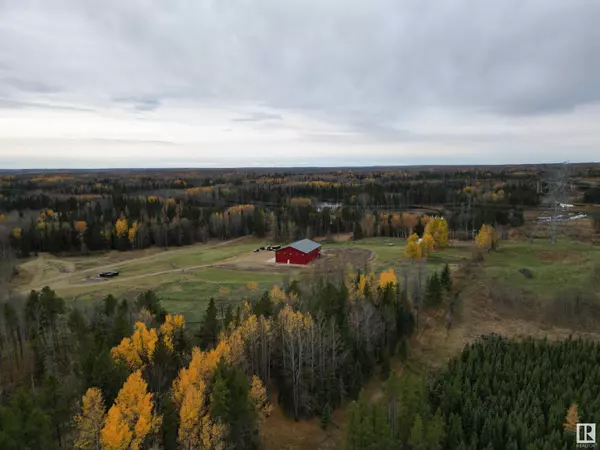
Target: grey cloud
point(258, 117)
point(140, 103)
point(366, 64)
point(381, 56)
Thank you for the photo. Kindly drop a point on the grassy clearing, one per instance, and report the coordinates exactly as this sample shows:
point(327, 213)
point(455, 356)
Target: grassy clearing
point(566, 265)
point(185, 293)
point(387, 256)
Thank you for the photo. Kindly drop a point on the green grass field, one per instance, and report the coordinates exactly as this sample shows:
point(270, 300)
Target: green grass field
point(393, 256)
point(568, 264)
point(185, 278)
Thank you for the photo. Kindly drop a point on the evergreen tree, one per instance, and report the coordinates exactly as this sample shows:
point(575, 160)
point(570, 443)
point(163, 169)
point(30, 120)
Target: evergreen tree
point(230, 405)
point(446, 279)
point(24, 424)
point(433, 294)
point(209, 329)
point(417, 435)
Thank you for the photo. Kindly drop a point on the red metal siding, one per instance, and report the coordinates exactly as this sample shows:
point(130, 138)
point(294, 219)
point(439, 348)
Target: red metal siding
point(295, 256)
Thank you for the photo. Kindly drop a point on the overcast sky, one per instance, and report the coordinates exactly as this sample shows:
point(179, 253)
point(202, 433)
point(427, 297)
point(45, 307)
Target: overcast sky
point(174, 83)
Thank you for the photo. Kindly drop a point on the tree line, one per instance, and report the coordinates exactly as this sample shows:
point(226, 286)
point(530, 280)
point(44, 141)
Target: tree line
point(86, 212)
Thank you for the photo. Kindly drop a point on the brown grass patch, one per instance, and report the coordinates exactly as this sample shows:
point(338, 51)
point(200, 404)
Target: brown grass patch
point(338, 237)
point(554, 256)
point(282, 433)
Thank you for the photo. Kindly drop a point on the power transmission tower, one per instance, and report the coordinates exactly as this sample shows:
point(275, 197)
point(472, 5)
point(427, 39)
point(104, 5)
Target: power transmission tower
point(557, 185)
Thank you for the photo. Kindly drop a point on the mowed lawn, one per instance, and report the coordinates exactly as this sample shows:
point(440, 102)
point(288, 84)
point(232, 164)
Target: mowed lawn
point(185, 293)
point(387, 256)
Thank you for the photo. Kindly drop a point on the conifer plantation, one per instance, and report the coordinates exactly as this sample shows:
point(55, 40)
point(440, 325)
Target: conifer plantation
point(497, 394)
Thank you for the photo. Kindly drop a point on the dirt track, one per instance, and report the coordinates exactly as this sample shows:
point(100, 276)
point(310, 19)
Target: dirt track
point(39, 267)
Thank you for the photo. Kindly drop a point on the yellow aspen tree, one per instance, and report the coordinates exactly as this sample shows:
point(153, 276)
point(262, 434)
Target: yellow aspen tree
point(16, 232)
point(121, 227)
point(487, 238)
point(190, 417)
point(441, 236)
point(430, 225)
point(90, 420)
point(115, 435)
point(411, 250)
point(277, 295)
point(131, 419)
point(172, 324)
point(138, 349)
point(2, 217)
point(132, 233)
point(213, 434)
point(427, 244)
point(364, 281)
point(572, 418)
point(387, 277)
point(258, 396)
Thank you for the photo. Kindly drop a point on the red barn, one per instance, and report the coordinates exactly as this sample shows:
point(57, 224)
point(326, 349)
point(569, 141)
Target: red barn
point(301, 252)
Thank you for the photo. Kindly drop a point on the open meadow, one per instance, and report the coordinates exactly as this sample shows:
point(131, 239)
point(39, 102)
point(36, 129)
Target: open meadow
point(185, 278)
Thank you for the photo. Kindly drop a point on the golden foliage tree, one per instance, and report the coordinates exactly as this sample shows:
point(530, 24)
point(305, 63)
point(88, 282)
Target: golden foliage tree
point(172, 324)
point(277, 295)
point(487, 238)
point(572, 418)
point(2, 217)
point(190, 417)
point(258, 396)
point(121, 227)
point(365, 281)
point(81, 227)
point(90, 420)
point(16, 232)
point(132, 233)
point(213, 434)
point(412, 249)
point(189, 391)
point(131, 419)
point(387, 277)
point(427, 244)
point(438, 228)
point(138, 349)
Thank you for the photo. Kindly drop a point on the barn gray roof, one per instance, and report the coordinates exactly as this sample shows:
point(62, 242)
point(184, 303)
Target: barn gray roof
point(305, 245)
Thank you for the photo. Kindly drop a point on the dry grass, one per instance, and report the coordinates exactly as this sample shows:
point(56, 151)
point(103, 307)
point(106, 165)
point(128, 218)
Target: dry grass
point(279, 432)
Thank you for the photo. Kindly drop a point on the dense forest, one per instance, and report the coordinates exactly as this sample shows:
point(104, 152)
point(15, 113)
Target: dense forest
point(82, 212)
point(129, 375)
point(496, 395)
